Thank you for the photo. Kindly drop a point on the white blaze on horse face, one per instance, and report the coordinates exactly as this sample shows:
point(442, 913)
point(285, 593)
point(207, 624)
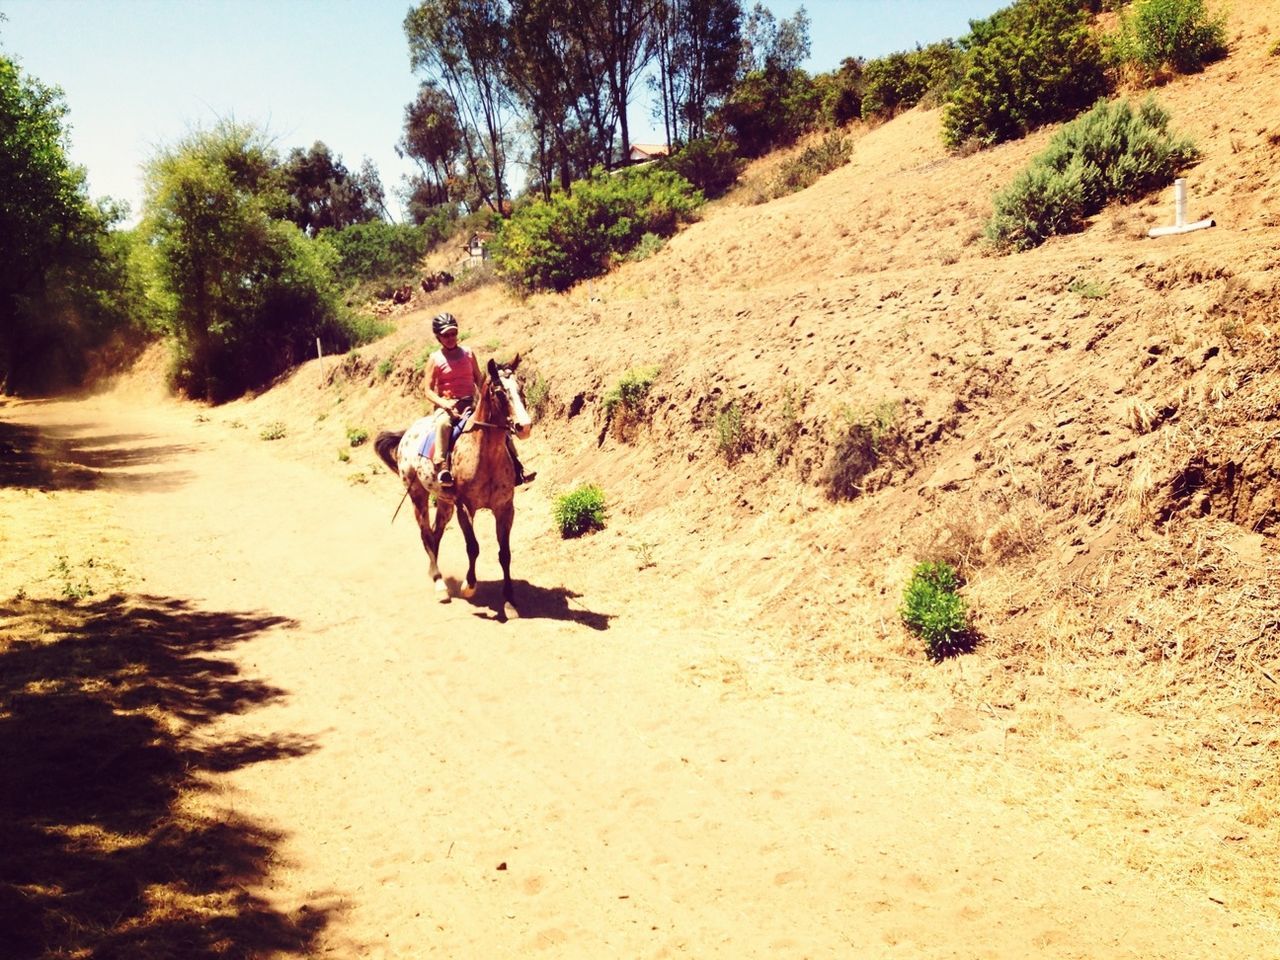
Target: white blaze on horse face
point(520, 421)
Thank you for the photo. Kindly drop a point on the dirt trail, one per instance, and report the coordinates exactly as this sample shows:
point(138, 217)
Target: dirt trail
point(622, 772)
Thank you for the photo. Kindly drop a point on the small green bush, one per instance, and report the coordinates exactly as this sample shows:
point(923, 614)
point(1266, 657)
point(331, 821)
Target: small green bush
point(1112, 152)
point(935, 612)
point(357, 435)
point(1176, 34)
point(273, 431)
point(537, 396)
point(551, 245)
point(580, 510)
point(732, 436)
point(649, 244)
point(627, 398)
point(814, 162)
point(899, 81)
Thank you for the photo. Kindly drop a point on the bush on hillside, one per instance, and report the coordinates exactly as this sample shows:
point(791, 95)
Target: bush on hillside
point(813, 162)
point(935, 612)
point(770, 109)
point(899, 81)
point(580, 510)
point(1112, 152)
point(551, 245)
point(711, 166)
point(1033, 63)
point(1178, 35)
point(367, 252)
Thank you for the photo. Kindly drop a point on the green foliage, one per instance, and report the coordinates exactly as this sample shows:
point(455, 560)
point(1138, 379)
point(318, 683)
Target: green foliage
point(813, 163)
point(554, 244)
point(770, 109)
point(934, 611)
point(626, 400)
point(248, 293)
point(1176, 34)
point(841, 92)
point(1033, 63)
point(649, 244)
point(357, 435)
point(380, 251)
point(899, 81)
point(732, 436)
point(273, 431)
point(67, 285)
point(711, 166)
point(323, 193)
point(537, 396)
point(1112, 152)
point(580, 510)
point(858, 450)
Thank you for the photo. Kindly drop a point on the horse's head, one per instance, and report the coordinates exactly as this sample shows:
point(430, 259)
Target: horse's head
point(509, 408)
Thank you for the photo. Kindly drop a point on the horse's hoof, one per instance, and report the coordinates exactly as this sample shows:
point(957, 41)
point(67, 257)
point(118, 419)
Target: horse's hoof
point(442, 591)
point(510, 612)
point(467, 590)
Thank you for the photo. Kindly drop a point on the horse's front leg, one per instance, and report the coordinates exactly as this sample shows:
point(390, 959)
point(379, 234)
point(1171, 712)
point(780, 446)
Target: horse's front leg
point(504, 519)
point(432, 530)
point(468, 589)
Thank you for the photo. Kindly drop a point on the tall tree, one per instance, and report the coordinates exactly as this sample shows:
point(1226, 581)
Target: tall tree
point(433, 140)
point(324, 193)
point(623, 33)
point(461, 45)
point(64, 285)
point(698, 48)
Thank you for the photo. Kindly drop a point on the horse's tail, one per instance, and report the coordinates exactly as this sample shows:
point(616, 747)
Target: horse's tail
point(387, 445)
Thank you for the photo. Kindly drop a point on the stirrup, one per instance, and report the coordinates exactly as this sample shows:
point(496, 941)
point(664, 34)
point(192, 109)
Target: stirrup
point(527, 477)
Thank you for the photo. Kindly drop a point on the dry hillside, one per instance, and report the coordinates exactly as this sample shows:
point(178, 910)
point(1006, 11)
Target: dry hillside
point(1090, 431)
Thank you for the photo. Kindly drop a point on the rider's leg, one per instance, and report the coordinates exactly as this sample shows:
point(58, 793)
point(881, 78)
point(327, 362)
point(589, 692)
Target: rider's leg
point(521, 475)
point(440, 453)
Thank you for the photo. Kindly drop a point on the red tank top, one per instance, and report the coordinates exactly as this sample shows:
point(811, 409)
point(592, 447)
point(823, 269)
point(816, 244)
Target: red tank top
point(456, 372)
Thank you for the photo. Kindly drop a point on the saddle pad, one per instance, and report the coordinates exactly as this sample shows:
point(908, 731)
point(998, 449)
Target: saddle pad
point(429, 439)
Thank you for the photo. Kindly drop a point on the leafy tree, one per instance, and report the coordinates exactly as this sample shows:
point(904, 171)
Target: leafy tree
point(1033, 63)
point(842, 91)
point(699, 44)
point(622, 32)
point(65, 282)
point(249, 293)
point(461, 45)
point(433, 140)
point(324, 193)
point(774, 47)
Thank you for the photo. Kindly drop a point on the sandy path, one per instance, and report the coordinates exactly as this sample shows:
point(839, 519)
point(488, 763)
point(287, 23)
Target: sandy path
point(620, 773)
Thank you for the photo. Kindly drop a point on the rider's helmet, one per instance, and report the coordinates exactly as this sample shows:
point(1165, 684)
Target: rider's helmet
point(443, 322)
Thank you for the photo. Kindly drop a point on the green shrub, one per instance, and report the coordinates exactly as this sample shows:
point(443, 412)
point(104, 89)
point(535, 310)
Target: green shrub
point(649, 244)
point(732, 437)
point(935, 612)
point(901, 80)
point(1032, 63)
point(379, 251)
point(771, 108)
point(580, 510)
point(357, 435)
point(1175, 34)
point(814, 162)
point(273, 431)
point(537, 396)
point(624, 404)
point(711, 166)
point(1112, 152)
point(554, 244)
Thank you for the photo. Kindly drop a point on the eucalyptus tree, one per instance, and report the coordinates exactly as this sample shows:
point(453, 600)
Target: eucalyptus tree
point(433, 140)
point(462, 46)
point(698, 45)
point(324, 193)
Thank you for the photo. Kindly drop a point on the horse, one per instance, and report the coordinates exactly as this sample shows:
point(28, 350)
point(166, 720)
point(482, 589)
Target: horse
point(483, 475)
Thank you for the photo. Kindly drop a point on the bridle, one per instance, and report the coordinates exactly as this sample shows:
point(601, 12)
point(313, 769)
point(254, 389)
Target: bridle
point(498, 396)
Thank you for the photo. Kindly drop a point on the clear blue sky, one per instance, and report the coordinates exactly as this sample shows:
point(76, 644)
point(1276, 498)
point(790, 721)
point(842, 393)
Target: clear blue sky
point(138, 74)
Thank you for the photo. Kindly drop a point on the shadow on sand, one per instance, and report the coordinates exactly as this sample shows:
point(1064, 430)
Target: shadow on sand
point(102, 751)
point(63, 459)
point(534, 601)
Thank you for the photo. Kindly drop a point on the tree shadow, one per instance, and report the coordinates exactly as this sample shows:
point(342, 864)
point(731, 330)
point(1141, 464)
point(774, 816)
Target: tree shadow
point(59, 459)
point(103, 852)
point(549, 603)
